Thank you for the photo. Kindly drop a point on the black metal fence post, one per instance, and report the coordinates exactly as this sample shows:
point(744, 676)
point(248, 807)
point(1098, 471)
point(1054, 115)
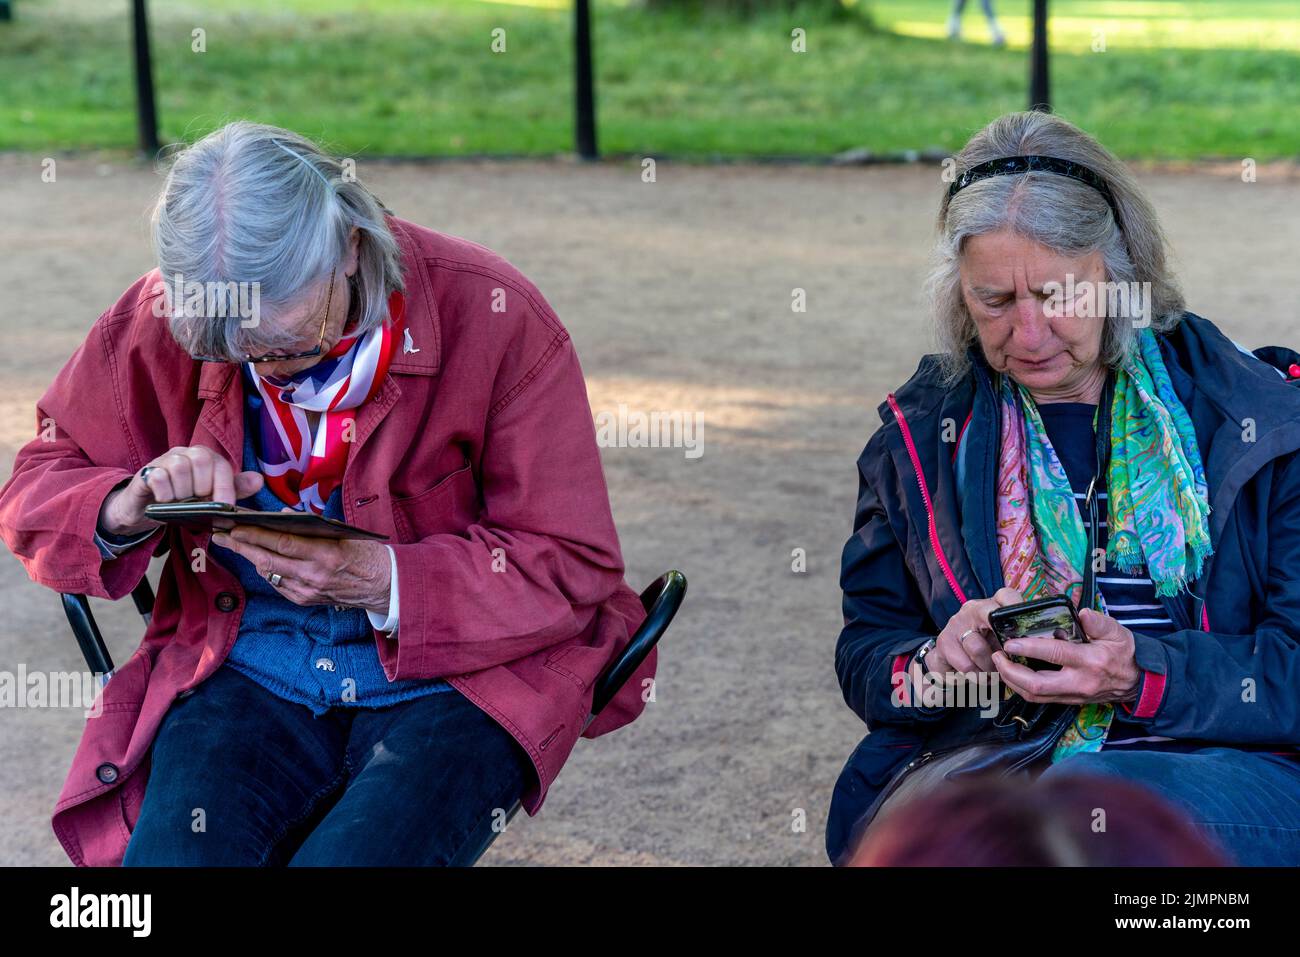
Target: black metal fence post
point(145, 109)
point(584, 82)
point(1039, 96)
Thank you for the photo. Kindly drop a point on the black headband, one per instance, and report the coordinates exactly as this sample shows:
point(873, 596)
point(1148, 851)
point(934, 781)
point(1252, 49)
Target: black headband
point(1008, 165)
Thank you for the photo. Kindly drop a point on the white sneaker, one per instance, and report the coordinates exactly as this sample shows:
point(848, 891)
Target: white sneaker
point(999, 38)
point(954, 27)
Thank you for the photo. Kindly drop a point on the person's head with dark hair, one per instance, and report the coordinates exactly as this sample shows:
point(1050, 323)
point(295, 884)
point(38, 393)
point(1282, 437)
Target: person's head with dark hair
point(1066, 820)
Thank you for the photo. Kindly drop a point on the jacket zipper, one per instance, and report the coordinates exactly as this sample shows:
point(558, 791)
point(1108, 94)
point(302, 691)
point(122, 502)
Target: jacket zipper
point(929, 506)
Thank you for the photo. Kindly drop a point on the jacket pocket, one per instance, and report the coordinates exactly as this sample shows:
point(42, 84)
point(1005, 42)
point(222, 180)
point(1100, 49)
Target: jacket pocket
point(449, 505)
point(581, 664)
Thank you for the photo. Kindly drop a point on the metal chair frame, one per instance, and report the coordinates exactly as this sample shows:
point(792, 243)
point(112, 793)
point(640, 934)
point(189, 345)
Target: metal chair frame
point(660, 600)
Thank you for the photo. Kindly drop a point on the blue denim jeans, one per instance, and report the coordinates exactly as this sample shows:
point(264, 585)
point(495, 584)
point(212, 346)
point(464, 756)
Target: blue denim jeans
point(241, 777)
point(1247, 802)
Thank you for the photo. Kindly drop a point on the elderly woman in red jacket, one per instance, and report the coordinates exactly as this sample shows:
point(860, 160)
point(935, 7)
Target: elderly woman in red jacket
point(316, 701)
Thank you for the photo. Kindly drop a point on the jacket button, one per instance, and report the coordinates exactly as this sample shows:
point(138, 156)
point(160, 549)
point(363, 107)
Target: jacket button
point(106, 773)
point(226, 601)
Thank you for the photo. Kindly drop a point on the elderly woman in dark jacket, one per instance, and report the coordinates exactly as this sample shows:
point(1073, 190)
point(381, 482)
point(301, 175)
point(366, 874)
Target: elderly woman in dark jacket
point(1070, 363)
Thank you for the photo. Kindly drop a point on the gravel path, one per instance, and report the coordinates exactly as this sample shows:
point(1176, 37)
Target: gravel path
point(678, 294)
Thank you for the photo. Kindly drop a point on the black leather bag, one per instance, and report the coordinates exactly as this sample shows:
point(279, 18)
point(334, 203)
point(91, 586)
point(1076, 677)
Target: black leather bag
point(1018, 741)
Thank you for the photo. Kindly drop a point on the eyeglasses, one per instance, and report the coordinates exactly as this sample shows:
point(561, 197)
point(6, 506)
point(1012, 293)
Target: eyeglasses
point(278, 357)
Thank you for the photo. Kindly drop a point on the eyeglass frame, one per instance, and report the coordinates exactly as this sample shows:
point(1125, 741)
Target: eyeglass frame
point(273, 357)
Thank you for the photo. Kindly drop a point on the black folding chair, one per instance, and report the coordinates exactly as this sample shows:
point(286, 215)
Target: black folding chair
point(661, 601)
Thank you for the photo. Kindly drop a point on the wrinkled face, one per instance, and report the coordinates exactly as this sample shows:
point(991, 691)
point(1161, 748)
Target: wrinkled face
point(305, 319)
point(1005, 283)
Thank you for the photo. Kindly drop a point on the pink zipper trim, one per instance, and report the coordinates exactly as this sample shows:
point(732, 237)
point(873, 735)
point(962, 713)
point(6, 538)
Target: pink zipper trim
point(929, 506)
point(956, 446)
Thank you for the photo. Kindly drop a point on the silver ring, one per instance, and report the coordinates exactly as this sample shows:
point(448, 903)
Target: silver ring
point(964, 635)
point(275, 579)
point(144, 472)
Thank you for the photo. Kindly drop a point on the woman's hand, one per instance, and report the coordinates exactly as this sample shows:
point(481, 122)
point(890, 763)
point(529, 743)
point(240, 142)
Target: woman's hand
point(973, 652)
point(1104, 669)
point(193, 471)
point(316, 571)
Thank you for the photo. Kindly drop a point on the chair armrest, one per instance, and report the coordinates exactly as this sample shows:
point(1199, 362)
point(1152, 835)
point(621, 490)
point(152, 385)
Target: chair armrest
point(661, 601)
point(86, 631)
point(82, 620)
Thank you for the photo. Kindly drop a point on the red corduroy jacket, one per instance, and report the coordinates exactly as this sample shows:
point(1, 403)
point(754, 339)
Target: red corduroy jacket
point(477, 457)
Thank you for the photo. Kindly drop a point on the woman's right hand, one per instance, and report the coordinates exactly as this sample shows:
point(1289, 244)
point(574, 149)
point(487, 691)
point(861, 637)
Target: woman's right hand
point(975, 653)
point(186, 471)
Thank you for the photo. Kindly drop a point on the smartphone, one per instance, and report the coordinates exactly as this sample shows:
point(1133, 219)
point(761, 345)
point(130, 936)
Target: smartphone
point(1042, 618)
point(203, 514)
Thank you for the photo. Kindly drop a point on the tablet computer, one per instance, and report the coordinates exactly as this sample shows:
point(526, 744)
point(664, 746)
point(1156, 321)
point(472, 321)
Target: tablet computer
point(223, 515)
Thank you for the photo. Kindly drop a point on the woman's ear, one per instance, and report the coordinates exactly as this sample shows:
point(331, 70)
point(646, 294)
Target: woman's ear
point(354, 244)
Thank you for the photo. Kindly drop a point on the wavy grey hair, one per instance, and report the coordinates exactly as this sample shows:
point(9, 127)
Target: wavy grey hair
point(1067, 216)
point(251, 203)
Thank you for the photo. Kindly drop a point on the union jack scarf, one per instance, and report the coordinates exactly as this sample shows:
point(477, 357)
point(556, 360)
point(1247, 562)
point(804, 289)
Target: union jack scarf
point(302, 468)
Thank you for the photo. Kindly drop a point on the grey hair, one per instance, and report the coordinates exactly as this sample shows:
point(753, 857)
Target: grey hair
point(253, 203)
point(1067, 216)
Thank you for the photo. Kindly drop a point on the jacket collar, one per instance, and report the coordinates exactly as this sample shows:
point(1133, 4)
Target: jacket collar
point(1244, 414)
point(420, 352)
point(930, 416)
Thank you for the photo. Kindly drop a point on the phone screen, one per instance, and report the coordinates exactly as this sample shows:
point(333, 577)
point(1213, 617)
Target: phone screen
point(1045, 618)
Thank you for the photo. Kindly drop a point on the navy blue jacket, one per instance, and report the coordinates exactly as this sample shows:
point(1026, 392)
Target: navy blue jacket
point(923, 543)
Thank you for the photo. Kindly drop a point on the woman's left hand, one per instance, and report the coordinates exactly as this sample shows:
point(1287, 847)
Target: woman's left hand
point(1104, 669)
point(316, 571)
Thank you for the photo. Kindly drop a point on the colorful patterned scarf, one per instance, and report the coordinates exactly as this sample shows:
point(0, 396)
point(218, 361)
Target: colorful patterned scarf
point(1158, 516)
point(303, 466)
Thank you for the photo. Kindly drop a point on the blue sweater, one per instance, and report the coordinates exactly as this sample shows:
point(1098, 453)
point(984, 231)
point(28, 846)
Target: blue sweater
point(315, 655)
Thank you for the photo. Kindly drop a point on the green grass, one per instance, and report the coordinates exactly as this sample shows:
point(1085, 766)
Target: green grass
point(418, 77)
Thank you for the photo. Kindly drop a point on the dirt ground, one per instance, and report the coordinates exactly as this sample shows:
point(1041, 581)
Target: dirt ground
point(678, 294)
